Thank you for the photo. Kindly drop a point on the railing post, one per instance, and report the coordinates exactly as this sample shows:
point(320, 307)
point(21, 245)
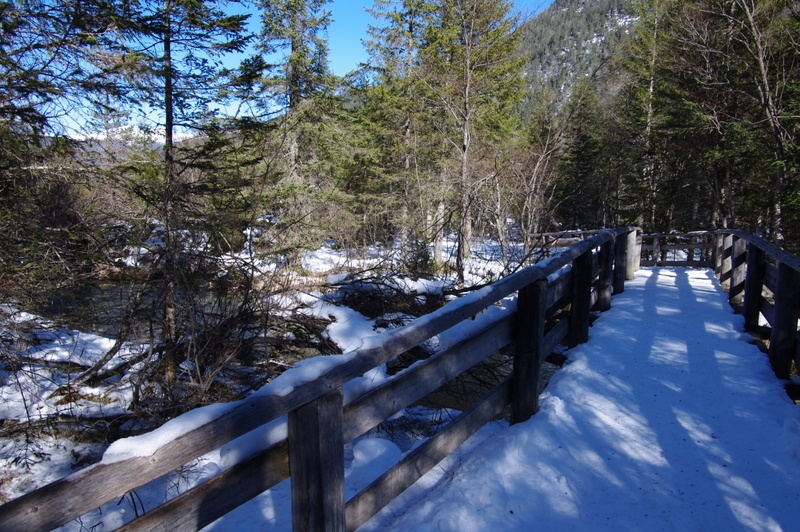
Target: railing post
point(621, 251)
point(316, 464)
point(528, 350)
point(725, 270)
point(753, 285)
point(606, 276)
point(634, 254)
point(738, 263)
point(784, 327)
point(709, 253)
point(719, 246)
point(581, 299)
point(656, 250)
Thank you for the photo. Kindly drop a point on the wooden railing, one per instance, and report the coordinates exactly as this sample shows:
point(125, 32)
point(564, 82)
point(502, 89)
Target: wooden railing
point(691, 249)
point(762, 281)
point(553, 306)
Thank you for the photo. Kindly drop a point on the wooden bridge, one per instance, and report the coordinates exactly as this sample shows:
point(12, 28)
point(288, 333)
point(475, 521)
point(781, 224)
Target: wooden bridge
point(554, 306)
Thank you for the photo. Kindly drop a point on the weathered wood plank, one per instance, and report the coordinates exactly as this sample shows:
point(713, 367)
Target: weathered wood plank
point(771, 277)
point(687, 246)
point(620, 263)
point(634, 254)
point(784, 326)
point(316, 465)
point(719, 247)
point(560, 290)
point(422, 459)
point(204, 504)
point(555, 336)
point(73, 496)
point(656, 255)
point(605, 276)
point(738, 264)
point(581, 299)
point(753, 283)
point(768, 311)
point(372, 408)
point(528, 350)
point(727, 263)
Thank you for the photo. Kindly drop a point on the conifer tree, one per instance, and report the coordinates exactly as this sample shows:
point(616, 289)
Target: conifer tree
point(394, 100)
point(55, 68)
point(177, 45)
point(293, 35)
point(473, 76)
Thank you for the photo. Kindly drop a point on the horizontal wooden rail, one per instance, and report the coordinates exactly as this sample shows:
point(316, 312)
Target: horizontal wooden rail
point(559, 292)
point(682, 250)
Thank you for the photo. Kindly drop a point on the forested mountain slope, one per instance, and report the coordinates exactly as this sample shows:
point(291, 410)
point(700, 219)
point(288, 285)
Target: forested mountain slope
point(570, 39)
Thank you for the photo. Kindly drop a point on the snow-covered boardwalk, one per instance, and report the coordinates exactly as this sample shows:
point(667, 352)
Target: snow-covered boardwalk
point(667, 419)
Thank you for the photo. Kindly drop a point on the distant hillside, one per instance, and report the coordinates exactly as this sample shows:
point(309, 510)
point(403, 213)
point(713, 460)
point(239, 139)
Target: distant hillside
point(568, 40)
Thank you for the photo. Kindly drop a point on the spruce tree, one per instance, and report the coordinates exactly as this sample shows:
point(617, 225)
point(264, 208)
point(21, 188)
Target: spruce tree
point(473, 78)
point(178, 46)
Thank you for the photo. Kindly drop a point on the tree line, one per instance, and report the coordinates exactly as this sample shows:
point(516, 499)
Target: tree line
point(691, 122)
point(688, 121)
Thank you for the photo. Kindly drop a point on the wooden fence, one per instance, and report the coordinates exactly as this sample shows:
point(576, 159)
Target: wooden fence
point(553, 306)
point(580, 278)
point(762, 281)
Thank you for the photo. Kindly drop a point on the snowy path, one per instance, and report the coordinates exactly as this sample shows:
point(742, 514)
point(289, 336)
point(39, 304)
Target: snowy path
point(666, 420)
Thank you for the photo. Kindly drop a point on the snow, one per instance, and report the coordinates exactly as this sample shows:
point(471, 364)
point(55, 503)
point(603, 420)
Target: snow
point(147, 444)
point(28, 392)
point(667, 419)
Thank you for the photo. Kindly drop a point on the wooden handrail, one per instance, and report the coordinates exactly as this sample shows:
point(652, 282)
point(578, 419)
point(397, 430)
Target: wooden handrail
point(761, 277)
point(580, 278)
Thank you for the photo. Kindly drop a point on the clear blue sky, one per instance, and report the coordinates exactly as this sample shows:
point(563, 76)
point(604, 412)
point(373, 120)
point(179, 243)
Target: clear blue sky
point(350, 23)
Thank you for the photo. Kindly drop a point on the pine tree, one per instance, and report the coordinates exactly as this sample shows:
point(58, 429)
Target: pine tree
point(54, 70)
point(177, 45)
point(293, 34)
point(393, 98)
point(473, 76)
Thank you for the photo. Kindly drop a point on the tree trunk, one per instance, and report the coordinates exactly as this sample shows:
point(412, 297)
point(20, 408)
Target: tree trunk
point(169, 324)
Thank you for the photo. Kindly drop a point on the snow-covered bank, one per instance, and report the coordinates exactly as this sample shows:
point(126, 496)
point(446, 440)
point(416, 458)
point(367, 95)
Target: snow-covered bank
point(666, 420)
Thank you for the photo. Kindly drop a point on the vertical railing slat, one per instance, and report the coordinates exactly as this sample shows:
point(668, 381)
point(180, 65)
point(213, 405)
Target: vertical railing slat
point(656, 250)
point(581, 299)
point(621, 251)
point(753, 285)
point(634, 255)
point(719, 246)
point(316, 463)
point(606, 276)
point(784, 329)
point(725, 270)
point(738, 264)
point(528, 350)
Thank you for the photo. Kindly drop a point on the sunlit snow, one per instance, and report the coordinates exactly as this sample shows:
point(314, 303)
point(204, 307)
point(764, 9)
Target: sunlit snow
point(667, 419)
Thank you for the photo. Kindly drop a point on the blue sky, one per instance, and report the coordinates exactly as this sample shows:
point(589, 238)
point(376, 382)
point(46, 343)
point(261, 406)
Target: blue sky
point(350, 26)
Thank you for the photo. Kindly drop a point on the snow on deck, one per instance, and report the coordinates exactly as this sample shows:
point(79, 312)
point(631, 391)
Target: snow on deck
point(667, 419)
